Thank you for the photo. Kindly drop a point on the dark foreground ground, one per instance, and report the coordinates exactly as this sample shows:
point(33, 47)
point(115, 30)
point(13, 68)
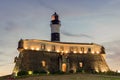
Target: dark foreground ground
point(68, 77)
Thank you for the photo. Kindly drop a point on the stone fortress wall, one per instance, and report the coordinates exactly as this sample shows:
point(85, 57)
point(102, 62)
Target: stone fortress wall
point(39, 55)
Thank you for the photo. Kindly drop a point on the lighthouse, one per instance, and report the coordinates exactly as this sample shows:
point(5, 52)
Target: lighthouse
point(55, 27)
point(55, 56)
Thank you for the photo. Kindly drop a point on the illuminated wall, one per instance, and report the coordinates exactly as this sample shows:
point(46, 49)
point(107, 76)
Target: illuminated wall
point(55, 56)
point(62, 47)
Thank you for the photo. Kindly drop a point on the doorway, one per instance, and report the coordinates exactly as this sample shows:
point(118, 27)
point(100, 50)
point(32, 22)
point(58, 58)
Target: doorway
point(64, 67)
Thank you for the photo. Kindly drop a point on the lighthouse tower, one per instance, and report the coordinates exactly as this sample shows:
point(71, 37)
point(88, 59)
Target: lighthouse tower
point(55, 27)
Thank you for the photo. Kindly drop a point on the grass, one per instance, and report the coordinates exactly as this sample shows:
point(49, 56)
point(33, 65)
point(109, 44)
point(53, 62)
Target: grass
point(67, 77)
point(4, 77)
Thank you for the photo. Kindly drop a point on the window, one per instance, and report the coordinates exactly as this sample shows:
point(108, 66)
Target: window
point(64, 67)
point(82, 49)
point(89, 50)
point(43, 63)
point(61, 48)
point(75, 50)
point(53, 48)
point(80, 64)
point(71, 49)
point(42, 46)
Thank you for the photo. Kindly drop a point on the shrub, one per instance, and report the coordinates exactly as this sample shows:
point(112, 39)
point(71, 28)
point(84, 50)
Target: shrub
point(43, 72)
point(112, 73)
point(61, 72)
point(36, 72)
point(58, 72)
point(21, 73)
point(79, 70)
point(94, 72)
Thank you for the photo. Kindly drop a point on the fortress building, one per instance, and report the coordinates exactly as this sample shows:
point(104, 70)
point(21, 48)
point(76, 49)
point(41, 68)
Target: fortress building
point(53, 56)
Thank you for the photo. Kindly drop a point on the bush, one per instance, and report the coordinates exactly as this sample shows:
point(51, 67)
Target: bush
point(61, 72)
point(43, 72)
point(36, 72)
point(21, 73)
point(58, 72)
point(79, 70)
point(113, 73)
point(94, 72)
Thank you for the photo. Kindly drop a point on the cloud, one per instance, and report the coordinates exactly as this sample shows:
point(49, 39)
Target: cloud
point(76, 35)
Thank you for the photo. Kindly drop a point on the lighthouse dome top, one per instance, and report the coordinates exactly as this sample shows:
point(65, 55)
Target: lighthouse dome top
point(55, 16)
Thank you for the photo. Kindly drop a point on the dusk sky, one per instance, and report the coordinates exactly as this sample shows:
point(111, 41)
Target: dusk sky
point(84, 21)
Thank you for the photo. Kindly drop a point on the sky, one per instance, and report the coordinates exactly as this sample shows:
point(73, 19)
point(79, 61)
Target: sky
point(84, 21)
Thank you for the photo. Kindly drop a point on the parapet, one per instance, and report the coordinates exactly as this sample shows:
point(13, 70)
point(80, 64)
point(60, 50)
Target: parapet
point(60, 47)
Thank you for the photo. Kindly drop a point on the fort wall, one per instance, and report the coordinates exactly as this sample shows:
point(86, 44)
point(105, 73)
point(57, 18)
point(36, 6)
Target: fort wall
point(53, 57)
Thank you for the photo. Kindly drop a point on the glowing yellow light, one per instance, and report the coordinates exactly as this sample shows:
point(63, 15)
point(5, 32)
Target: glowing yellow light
point(85, 51)
point(97, 52)
point(53, 17)
point(48, 72)
point(80, 51)
point(26, 48)
point(32, 48)
point(103, 70)
point(37, 49)
point(15, 73)
point(66, 51)
point(48, 50)
point(96, 69)
point(93, 52)
point(43, 63)
point(58, 51)
point(81, 64)
point(62, 51)
point(74, 52)
point(30, 72)
point(118, 71)
point(64, 66)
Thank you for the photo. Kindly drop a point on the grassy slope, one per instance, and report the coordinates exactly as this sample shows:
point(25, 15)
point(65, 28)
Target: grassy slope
point(70, 77)
point(4, 77)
